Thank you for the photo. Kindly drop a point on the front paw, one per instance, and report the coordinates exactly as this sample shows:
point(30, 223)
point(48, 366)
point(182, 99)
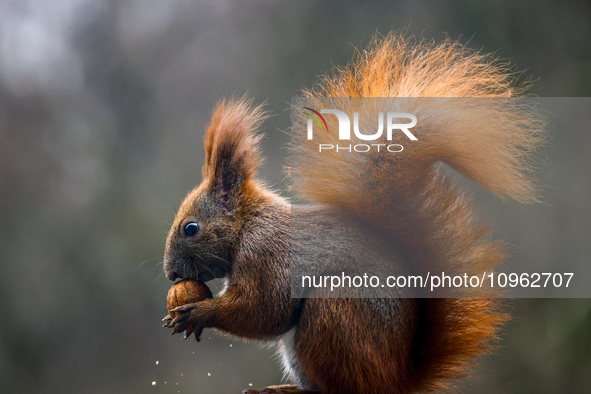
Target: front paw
point(186, 319)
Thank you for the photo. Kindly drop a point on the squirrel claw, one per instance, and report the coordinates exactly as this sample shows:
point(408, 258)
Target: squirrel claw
point(167, 320)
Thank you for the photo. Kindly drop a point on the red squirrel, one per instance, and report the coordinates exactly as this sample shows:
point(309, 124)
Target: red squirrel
point(232, 226)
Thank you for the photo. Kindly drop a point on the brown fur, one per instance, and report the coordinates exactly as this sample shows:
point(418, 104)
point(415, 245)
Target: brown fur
point(362, 345)
point(431, 218)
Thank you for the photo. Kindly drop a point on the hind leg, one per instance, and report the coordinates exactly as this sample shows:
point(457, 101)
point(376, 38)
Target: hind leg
point(292, 370)
point(355, 345)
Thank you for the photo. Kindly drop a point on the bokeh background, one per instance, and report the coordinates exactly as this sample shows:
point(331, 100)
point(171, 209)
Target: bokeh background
point(103, 104)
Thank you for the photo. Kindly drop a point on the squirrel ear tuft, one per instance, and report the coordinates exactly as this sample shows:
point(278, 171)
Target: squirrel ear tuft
point(232, 144)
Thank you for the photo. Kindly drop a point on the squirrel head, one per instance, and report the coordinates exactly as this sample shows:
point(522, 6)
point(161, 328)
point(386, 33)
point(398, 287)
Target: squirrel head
point(207, 226)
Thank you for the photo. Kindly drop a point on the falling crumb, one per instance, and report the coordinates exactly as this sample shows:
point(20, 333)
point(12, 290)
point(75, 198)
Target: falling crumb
point(250, 385)
point(193, 352)
point(157, 362)
point(209, 374)
point(181, 374)
point(230, 345)
point(154, 383)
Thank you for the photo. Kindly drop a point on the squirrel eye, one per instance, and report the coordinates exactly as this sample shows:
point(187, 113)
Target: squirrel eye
point(191, 229)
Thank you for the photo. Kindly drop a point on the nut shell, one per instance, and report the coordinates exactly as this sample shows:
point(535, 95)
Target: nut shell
point(187, 291)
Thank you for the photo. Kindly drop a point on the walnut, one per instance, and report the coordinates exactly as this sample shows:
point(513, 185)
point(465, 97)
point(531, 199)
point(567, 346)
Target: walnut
point(187, 291)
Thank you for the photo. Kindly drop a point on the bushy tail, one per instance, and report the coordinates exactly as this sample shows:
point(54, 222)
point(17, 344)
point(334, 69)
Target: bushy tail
point(489, 139)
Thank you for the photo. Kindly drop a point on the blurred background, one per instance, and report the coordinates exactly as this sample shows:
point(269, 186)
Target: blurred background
point(103, 104)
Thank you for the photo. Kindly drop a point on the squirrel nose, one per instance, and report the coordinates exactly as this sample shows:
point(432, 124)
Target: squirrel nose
point(171, 275)
point(170, 269)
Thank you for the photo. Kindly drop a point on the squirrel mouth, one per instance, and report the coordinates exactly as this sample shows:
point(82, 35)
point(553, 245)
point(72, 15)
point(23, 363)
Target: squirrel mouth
point(171, 275)
point(174, 271)
point(203, 277)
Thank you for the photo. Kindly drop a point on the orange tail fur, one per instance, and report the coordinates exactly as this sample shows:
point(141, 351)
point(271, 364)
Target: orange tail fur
point(411, 196)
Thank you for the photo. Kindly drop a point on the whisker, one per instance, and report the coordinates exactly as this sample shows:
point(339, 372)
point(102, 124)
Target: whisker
point(144, 262)
point(198, 255)
point(219, 258)
point(207, 268)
